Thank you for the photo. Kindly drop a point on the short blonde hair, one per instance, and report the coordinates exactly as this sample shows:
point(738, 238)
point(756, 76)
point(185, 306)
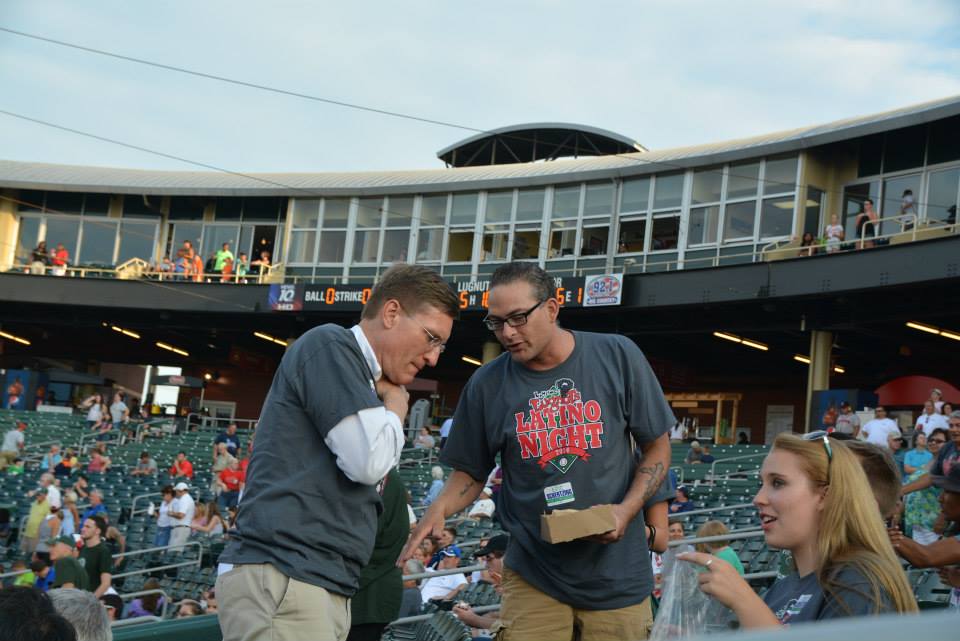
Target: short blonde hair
point(712, 528)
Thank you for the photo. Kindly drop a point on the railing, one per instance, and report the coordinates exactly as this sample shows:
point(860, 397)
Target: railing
point(709, 510)
point(134, 271)
point(713, 465)
point(166, 600)
point(205, 422)
point(129, 553)
point(481, 609)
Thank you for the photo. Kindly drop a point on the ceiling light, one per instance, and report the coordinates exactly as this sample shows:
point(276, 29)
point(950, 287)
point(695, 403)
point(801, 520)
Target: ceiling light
point(930, 329)
point(839, 370)
point(754, 345)
point(743, 341)
point(17, 339)
point(171, 348)
point(802, 359)
point(207, 376)
point(268, 337)
point(947, 334)
point(727, 337)
point(125, 332)
point(471, 360)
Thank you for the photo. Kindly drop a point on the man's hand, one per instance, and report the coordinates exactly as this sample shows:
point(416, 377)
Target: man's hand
point(431, 524)
point(465, 613)
point(395, 397)
point(622, 518)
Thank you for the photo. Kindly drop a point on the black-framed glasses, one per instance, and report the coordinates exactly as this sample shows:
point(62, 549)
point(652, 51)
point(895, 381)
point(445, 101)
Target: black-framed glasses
point(434, 341)
point(821, 435)
point(514, 320)
point(941, 441)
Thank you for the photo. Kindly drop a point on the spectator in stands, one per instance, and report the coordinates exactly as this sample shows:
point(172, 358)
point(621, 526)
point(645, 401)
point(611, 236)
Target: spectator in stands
point(38, 512)
point(99, 463)
point(39, 259)
point(119, 412)
point(946, 408)
point(81, 486)
point(85, 612)
point(435, 487)
point(808, 245)
point(930, 420)
point(222, 256)
point(49, 529)
point(196, 268)
point(67, 571)
point(15, 468)
point(51, 459)
point(29, 575)
point(848, 422)
point(743, 438)
point(113, 605)
point(446, 587)
point(95, 409)
point(491, 555)
point(28, 613)
point(43, 570)
point(946, 459)
point(230, 483)
point(424, 440)
point(946, 551)
point(95, 555)
point(103, 429)
point(67, 464)
point(182, 467)
point(815, 502)
point(116, 542)
point(228, 437)
point(164, 522)
point(834, 234)
point(707, 457)
point(207, 520)
point(69, 515)
point(676, 530)
point(97, 508)
point(719, 549)
point(410, 601)
point(208, 601)
point(682, 502)
point(922, 508)
point(937, 397)
point(13, 444)
point(60, 259)
point(878, 430)
point(48, 482)
point(445, 428)
point(146, 466)
point(189, 608)
point(695, 453)
point(261, 265)
point(241, 268)
point(897, 446)
point(181, 515)
point(866, 224)
point(484, 507)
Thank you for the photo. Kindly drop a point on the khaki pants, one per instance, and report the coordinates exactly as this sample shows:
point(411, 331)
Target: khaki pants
point(179, 535)
point(528, 613)
point(6, 458)
point(257, 602)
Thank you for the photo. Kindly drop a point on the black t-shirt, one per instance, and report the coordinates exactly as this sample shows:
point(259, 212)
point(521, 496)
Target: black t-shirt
point(96, 560)
point(566, 438)
point(233, 442)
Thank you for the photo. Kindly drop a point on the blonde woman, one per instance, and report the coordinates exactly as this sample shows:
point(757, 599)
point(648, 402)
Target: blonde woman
point(815, 502)
point(719, 549)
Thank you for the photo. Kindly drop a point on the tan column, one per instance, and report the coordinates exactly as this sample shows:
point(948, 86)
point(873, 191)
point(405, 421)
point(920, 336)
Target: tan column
point(491, 350)
point(818, 372)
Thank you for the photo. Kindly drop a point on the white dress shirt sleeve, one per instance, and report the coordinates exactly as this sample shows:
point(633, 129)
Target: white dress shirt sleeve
point(367, 444)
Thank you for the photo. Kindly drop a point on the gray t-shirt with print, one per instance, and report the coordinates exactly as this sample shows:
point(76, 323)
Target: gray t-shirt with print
point(796, 599)
point(566, 438)
point(299, 512)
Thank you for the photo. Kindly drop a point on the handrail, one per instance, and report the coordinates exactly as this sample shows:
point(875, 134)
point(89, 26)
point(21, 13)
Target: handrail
point(166, 599)
point(480, 609)
point(708, 510)
point(133, 504)
point(732, 535)
point(430, 575)
point(126, 623)
point(713, 466)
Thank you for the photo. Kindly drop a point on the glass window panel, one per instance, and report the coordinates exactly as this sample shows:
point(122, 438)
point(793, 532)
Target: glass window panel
point(332, 244)
point(226, 208)
point(812, 213)
point(266, 208)
point(464, 209)
point(944, 141)
point(214, 236)
point(780, 175)
point(870, 155)
point(429, 244)
point(137, 240)
point(742, 180)
point(63, 230)
point(369, 212)
point(183, 232)
point(526, 243)
point(566, 202)
point(776, 217)
point(246, 240)
point(365, 245)
point(99, 239)
point(97, 204)
point(64, 202)
point(306, 213)
point(942, 194)
point(904, 148)
point(181, 207)
point(460, 247)
point(738, 220)
point(395, 242)
point(703, 225)
point(31, 200)
point(335, 212)
point(530, 204)
point(632, 235)
point(666, 233)
point(598, 200)
point(495, 245)
point(399, 211)
point(668, 191)
point(303, 244)
point(896, 203)
point(499, 206)
point(706, 185)
point(635, 195)
point(27, 239)
point(563, 240)
point(594, 241)
point(433, 210)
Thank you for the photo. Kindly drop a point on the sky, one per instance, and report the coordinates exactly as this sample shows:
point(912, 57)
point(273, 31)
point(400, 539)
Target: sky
point(667, 73)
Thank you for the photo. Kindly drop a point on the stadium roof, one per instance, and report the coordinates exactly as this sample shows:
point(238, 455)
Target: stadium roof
point(28, 175)
point(533, 142)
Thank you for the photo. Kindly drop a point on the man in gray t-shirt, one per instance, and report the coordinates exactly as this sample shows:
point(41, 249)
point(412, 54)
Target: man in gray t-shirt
point(564, 411)
point(119, 412)
point(330, 429)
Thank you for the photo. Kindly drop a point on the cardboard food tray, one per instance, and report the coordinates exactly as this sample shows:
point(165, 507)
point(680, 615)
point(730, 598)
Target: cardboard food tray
point(561, 526)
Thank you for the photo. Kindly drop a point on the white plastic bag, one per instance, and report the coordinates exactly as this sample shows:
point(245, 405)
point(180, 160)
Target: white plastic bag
point(684, 610)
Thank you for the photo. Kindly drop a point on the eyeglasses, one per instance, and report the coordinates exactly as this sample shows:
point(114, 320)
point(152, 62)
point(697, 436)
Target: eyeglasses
point(516, 320)
point(435, 342)
point(821, 435)
point(937, 440)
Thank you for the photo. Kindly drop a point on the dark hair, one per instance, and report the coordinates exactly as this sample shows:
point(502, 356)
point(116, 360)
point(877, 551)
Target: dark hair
point(150, 601)
point(166, 489)
point(144, 455)
point(28, 615)
point(452, 530)
point(944, 433)
point(881, 471)
point(685, 491)
point(414, 287)
point(868, 200)
point(531, 273)
point(916, 435)
point(37, 566)
point(101, 524)
point(907, 191)
point(181, 452)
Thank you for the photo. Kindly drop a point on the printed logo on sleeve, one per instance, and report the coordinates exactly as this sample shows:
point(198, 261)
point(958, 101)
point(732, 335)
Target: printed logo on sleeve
point(559, 494)
point(793, 608)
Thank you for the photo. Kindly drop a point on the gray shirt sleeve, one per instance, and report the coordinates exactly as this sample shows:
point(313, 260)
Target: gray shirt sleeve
point(850, 594)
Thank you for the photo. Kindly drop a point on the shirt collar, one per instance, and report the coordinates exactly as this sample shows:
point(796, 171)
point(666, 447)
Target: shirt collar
point(367, 350)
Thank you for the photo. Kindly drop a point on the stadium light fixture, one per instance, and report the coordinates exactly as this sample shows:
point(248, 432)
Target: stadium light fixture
point(802, 359)
point(727, 337)
point(171, 348)
point(207, 376)
point(930, 329)
point(269, 338)
point(839, 370)
point(14, 338)
point(471, 360)
point(125, 332)
point(743, 341)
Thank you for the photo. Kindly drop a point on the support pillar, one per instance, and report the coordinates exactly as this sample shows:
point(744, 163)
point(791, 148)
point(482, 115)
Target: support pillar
point(818, 372)
point(491, 350)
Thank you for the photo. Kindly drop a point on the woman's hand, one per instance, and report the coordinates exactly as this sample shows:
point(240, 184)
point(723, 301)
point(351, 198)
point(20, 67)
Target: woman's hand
point(724, 583)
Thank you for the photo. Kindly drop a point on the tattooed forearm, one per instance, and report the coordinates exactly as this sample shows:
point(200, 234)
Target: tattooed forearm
point(655, 474)
point(466, 488)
